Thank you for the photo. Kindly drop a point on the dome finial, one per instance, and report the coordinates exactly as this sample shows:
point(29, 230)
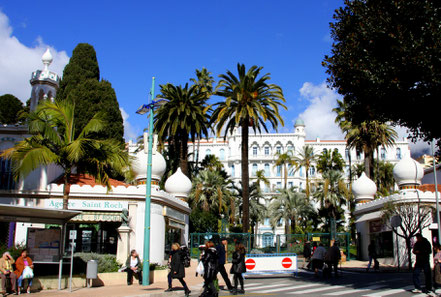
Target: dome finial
point(364, 189)
point(47, 59)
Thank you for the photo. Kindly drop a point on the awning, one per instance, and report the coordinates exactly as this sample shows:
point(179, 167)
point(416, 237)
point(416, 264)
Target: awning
point(27, 214)
point(369, 216)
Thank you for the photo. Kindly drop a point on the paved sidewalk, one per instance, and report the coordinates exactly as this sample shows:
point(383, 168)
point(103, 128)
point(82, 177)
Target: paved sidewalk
point(158, 287)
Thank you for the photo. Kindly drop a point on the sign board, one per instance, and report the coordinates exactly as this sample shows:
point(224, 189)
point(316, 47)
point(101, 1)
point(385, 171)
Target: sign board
point(44, 244)
point(271, 263)
point(73, 234)
point(82, 204)
point(316, 239)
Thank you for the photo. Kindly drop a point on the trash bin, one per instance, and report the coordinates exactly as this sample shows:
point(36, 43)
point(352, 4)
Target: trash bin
point(91, 271)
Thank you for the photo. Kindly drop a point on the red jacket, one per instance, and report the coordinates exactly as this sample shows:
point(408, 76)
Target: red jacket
point(19, 264)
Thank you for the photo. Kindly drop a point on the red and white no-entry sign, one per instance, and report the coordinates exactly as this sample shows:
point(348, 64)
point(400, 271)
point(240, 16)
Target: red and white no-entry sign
point(250, 264)
point(286, 262)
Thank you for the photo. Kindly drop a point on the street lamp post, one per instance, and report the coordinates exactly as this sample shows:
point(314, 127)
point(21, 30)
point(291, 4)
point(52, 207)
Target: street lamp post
point(146, 252)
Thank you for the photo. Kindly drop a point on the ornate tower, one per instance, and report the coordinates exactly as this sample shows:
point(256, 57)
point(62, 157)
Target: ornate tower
point(44, 82)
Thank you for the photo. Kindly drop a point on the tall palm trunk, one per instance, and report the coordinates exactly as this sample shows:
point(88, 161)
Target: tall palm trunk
point(66, 189)
point(183, 154)
point(245, 177)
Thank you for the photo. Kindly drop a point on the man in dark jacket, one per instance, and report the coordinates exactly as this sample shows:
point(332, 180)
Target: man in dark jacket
point(222, 254)
point(422, 249)
point(332, 257)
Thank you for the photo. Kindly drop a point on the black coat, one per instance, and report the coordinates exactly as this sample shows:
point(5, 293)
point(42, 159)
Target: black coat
point(176, 265)
point(210, 261)
point(238, 263)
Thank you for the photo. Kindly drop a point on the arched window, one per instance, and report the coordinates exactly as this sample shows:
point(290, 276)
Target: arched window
point(278, 170)
point(254, 170)
point(222, 155)
point(267, 170)
point(233, 173)
point(279, 149)
point(398, 153)
point(254, 151)
point(383, 153)
point(267, 150)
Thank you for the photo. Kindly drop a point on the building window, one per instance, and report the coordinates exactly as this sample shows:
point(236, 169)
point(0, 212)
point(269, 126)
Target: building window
point(399, 154)
point(279, 185)
point(7, 181)
point(312, 171)
point(266, 222)
point(383, 153)
point(267, 170)
point(347, 156)
point(279, 149)
point(290, 185)
point(290, 150)
point(267, 151)
point(290, 170)
point(358, 155)
point(254, 151)
point(301, 171)
point(222, 155)
point(254, 170)
point(207, 152)
point(267, 239)
point(233, 173)
point(279, 170)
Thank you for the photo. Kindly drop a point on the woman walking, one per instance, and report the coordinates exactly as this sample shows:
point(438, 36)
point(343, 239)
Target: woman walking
point(177, 269)
point(210, 261)
point(238, 268)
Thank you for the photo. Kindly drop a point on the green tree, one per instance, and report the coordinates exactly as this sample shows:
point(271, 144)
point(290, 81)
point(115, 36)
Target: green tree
point(184, 117)
point(81, 85)
point(306, 158)
point(10, 108)
point(53, 141)
point(290, 206)
point(249, 102)
point(330, 160)
point(384, 62)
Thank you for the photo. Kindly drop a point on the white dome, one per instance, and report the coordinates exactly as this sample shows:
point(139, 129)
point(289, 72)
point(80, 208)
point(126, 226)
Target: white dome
point(47, 58)
point(178, 184)
point(140, 166)
point(408, 172)
point(364, 188)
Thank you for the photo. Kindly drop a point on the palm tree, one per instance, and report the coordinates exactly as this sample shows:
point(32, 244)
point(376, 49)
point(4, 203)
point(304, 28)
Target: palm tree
point(249, 102)
point(330, 160)
point(306, 158)
point(53, 141)
point(204, 82)
point(291, 206)
point(184, 117)
point(260, 177)
point(284, 159)
point(366, 136)
point(211, 192)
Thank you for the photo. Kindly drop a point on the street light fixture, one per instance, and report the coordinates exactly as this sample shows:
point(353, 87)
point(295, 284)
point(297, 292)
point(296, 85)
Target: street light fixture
point(146, 252)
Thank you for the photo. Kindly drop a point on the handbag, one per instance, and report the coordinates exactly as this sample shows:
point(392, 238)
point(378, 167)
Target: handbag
point(200, 268)
point(27, 272)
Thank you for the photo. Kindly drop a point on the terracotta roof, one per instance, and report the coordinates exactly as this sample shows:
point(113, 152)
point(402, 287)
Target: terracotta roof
point(429, 187)
point(86, 179)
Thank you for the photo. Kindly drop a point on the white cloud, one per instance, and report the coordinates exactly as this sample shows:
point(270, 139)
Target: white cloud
point(18, 61)
point(130, 132)
point(318, 116)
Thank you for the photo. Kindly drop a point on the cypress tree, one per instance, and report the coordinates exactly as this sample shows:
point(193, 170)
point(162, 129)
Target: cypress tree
point(81, 84)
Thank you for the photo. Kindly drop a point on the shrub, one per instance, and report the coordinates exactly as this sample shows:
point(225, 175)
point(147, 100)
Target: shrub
point(106, 262)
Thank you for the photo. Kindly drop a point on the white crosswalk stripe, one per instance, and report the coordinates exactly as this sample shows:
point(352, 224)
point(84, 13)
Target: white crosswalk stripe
point(317, 290)
point(266, 286)
point(285, 288)
point(389, 292)
point(353, 291)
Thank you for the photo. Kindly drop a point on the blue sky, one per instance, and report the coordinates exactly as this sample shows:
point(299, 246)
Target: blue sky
point(136, 40)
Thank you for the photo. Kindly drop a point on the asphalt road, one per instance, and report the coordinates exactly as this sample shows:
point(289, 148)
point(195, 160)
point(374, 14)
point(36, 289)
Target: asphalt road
point(349, 284)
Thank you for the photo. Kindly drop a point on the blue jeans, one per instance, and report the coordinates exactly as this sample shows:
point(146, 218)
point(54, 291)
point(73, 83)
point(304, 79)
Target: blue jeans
point(20, 281)
point(427, 276)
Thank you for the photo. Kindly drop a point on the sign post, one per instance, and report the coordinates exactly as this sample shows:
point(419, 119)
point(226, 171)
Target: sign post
point(72, 237)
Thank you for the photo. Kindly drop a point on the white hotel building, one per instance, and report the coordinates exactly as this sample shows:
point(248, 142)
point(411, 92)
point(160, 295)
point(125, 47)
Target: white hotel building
point(262, 156)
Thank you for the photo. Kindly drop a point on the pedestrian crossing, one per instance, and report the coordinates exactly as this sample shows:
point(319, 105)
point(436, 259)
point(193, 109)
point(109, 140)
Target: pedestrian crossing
point(284, 288)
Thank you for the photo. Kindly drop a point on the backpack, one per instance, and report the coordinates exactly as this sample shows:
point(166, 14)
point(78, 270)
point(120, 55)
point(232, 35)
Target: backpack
point(185, 256)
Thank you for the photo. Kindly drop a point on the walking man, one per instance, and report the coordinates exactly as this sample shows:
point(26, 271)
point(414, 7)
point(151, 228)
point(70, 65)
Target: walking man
point(332, 258)
point(222, 253)
point(422, 250)
point(372, 250)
